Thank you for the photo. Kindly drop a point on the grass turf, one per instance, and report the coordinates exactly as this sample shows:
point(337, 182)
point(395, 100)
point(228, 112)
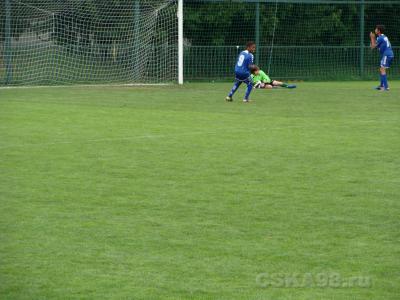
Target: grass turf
point(169, 192)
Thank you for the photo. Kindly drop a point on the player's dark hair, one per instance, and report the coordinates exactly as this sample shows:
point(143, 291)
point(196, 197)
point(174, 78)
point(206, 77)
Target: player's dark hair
point(381, 28)
point(254, 68)
point(249, 44)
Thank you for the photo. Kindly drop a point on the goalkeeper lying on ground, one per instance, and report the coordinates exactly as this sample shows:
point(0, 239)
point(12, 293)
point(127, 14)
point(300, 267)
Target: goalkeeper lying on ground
point(262, 80)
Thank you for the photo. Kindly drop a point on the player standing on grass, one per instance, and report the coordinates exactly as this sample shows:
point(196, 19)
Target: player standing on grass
point(242, 71)
point(385, 49)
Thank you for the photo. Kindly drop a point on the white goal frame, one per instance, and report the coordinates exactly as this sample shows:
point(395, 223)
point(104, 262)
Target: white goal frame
point(180, 42)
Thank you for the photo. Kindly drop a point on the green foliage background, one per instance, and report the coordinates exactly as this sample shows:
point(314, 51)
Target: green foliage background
point(313, 40)
point(212, 23)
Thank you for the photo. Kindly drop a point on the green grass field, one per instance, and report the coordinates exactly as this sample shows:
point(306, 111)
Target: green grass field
point(171, 193)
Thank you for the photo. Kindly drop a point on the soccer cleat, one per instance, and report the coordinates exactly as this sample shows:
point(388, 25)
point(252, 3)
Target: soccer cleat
point(246, 100)
point(229, 99)
point(381, 88)
point(291, 86)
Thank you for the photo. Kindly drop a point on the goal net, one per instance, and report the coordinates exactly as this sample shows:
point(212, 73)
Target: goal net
point(136, 41)
point(296, 39)
point(84, 41)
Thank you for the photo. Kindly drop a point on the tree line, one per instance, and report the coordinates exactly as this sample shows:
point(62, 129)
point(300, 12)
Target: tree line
point(205, 23)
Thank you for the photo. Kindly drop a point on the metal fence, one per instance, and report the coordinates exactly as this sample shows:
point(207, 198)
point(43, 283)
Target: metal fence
point(296, 39)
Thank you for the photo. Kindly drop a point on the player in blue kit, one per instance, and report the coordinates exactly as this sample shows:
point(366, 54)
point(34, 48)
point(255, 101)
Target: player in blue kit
point(385, 49)
point(242, 71)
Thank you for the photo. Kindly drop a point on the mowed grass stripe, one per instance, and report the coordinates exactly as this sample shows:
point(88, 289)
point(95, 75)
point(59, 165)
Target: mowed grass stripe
point(169, 192)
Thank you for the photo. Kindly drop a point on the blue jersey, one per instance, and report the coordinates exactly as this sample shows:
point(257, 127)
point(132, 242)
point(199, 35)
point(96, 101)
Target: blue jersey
point(243, 63)
point(383, 44)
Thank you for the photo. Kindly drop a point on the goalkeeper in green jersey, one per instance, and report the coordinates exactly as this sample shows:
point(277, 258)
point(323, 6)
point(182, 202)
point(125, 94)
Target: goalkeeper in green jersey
point(262, 80)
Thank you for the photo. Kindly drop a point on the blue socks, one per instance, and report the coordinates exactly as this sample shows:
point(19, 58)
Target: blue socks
point(234, 88)
point(248, 91)
point(384, 82)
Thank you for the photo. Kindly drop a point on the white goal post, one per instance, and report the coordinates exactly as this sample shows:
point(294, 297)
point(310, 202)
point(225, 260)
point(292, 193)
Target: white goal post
point(180, 41)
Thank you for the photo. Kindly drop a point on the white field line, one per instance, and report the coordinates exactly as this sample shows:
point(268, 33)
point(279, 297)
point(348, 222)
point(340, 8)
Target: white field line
point(138, 137)
point(85, 85)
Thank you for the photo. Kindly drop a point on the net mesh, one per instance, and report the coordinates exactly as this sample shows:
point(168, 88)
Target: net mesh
point(135, 41)
point(56, 42)
point(308, 41)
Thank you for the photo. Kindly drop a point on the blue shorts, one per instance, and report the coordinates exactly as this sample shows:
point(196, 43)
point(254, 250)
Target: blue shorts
point(243, 77)
point(386, 61)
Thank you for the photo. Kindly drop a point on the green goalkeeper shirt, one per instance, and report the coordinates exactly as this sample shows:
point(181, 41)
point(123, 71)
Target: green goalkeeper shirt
point(261, 77)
